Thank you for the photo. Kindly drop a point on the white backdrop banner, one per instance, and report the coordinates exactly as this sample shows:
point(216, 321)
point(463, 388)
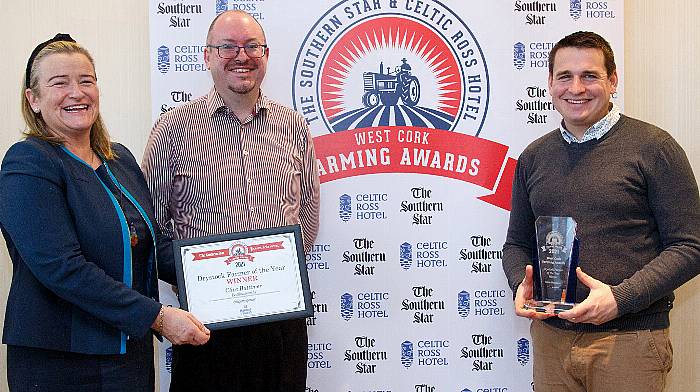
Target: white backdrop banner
point(419, 110)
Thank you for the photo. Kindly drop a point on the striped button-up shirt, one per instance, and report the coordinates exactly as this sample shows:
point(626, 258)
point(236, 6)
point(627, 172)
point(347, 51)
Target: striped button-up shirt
point(210, 173)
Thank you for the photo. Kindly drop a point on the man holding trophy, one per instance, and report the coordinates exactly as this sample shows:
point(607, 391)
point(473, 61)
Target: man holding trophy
point(618, 197)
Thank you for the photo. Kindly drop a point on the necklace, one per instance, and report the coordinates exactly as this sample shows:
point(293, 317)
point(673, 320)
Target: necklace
point(133, 234)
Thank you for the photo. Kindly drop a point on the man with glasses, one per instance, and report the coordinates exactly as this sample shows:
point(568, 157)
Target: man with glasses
point(632, 192)
point(234, 161)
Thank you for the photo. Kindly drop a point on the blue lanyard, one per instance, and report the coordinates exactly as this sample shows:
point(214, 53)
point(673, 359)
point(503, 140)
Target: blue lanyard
point(142, 212)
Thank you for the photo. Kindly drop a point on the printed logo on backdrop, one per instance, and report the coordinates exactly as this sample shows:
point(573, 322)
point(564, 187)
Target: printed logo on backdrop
point(427, 353)
point(316, 258)
point(177, 98)
point(482, 353)
point(369, 305)
point(407, 353)
point(169, 359)
point(536, 12)
point(163, 59)
point(523, 351)
point(519, 55)
point(482, 303)
point(363, 256)
point(221, 6)
point(420, 207)
point(320, 308)
point(405, 255)
point(536, 103)
point(422, 305)
point(397, 87)
point(596, 10)
point(480, 254)
point(531, 55)
point(488, 388)
point(182, 58)
point(463, 304)
point(178, 13)
point(367, 206)
point(253, 7)
point(575, 9)
point(429, 254)
point(318, 356)
point(346, 306)
point(365, 355)
point(391, 63)
point(345, 207)
point(490, 303)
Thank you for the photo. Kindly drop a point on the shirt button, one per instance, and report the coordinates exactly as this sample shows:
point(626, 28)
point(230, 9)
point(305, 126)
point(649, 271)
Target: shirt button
point(245, 152)
point(249, 181)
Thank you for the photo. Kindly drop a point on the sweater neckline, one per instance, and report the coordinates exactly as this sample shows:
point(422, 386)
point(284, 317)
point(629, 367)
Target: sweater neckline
point(594, 142)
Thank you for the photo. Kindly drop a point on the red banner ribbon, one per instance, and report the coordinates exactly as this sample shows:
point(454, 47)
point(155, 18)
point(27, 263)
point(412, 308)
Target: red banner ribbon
point(430, 151)
point(218, 253)
point(210, 254)
point(265, 247)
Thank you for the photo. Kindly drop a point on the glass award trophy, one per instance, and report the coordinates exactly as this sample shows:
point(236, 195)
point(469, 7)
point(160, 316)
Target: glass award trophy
point(555, 265)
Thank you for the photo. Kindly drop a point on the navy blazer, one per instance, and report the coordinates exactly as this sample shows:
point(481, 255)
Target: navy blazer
point(69, 244)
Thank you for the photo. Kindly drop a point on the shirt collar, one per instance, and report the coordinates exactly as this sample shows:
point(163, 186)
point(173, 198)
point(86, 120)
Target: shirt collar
point(215, 103)
point(597, 130)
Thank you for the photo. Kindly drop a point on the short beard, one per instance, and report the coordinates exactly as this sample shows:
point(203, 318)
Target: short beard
point(242, 89)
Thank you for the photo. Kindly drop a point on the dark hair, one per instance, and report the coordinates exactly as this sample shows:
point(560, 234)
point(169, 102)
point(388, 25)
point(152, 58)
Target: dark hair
point(585, 39)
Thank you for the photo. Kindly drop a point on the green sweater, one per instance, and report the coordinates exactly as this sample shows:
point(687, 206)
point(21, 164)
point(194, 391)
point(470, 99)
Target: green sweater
point(635, 199)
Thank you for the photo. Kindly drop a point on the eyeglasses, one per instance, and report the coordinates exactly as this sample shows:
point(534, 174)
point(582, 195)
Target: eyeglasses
point(228, 51)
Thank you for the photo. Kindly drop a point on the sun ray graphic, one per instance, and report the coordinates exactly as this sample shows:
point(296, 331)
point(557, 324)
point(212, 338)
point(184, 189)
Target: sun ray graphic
point(391, 71)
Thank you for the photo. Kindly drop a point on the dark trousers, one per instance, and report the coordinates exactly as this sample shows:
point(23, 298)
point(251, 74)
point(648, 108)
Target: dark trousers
point(36, 369)
point(261, 358)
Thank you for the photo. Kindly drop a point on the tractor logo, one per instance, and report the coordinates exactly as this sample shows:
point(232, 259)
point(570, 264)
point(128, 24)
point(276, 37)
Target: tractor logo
point(391, 68)
point(388, 87)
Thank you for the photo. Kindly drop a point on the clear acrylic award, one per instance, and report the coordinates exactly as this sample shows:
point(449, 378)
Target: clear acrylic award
point(555, 265)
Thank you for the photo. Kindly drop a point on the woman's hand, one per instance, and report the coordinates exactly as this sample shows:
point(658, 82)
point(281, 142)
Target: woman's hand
point(180, 327)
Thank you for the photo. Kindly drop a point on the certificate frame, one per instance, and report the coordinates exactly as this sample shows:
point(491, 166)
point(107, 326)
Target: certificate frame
point(206, 265)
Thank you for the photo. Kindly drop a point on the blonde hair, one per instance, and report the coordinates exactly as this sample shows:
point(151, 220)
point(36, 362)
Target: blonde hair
point(35, 125)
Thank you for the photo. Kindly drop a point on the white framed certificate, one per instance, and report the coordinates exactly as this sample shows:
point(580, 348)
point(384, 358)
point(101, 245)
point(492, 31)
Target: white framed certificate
point(244, 278)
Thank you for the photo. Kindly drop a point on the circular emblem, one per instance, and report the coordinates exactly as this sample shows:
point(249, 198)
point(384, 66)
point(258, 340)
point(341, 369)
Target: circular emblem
point(369, 67)
point(237, 250)
point(554, 239)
